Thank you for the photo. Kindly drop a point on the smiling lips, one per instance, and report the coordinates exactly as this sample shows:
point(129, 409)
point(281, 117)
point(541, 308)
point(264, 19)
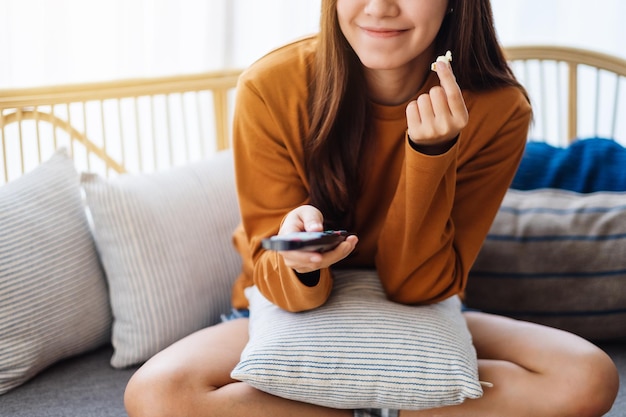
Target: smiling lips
point(383, 33)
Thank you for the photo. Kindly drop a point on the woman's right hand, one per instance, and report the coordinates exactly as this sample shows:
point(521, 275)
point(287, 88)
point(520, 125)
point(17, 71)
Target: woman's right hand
point(309, 219)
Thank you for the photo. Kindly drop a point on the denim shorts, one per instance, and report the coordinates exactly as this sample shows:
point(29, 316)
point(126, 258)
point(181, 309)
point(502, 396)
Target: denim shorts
point(236, 313)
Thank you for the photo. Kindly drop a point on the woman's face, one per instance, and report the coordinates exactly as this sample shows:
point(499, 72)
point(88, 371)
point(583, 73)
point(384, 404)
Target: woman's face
point(390, 34)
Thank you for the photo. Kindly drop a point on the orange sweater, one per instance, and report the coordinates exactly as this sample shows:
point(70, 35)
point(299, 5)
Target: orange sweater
point(421, 221)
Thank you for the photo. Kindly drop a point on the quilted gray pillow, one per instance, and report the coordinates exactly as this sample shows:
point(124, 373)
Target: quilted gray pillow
point(360, 350)
point(166, 247)
point(53, 295)
point(557, 258)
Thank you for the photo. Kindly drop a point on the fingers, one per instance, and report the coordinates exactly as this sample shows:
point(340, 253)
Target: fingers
point(451, 88)
point(440, 114)
point(413, 116)
point(303, 261)
point(303, 219)
point(309, 219)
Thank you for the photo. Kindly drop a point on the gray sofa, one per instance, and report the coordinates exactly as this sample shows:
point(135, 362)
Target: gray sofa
point(86, 384)
point(80, 366)
point(82, 386)
point(92, 287)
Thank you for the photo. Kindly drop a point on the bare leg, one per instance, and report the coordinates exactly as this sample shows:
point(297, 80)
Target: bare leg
point(536, 371)
point(192, 378)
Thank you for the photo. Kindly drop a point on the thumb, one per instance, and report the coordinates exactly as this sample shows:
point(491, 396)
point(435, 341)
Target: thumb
point(304, 218)
point(312, 218)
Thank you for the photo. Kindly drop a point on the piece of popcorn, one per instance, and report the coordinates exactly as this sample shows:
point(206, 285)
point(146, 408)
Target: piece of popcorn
point(446, 57)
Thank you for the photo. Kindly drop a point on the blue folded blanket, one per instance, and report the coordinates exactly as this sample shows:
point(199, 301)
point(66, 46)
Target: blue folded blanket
point(586, 166)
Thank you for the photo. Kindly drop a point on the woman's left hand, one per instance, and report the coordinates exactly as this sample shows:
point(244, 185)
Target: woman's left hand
point(438, 116)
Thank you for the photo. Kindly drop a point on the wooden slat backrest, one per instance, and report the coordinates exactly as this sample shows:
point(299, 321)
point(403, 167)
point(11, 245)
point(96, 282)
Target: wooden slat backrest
point(149, 124)
point(575, 93)
point(114, 127)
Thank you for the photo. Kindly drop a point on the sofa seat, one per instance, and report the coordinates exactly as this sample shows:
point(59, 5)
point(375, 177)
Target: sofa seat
point(87, 386)
point(82, 386)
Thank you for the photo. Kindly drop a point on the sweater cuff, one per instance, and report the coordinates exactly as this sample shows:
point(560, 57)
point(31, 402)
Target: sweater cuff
point(310, 279)
point(432, 149)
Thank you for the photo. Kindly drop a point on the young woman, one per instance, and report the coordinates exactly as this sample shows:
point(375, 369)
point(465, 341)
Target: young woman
point(351, 129)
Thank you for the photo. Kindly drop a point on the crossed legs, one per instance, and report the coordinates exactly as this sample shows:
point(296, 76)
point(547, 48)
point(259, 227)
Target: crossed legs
point(536, 372)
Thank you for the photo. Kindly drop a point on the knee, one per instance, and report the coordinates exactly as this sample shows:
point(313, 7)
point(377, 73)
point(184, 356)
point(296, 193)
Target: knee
point(603, 382)
point(592, 384)
point(155, 391)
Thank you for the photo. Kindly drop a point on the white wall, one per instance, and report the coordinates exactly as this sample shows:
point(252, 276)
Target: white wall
point(597, 24)
point(67, 41)
point(62, 41)
point(260, 26)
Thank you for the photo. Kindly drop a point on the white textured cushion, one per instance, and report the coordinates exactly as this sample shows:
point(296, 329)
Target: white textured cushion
point(558, 258)
point(53, 296)
point(166, 247)
point(360, 350)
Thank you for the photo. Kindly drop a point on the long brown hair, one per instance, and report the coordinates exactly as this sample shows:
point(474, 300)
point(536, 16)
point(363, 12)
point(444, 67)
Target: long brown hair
point(339, 108)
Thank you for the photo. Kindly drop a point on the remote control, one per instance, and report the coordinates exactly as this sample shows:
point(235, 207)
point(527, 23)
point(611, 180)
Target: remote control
point(307, 241)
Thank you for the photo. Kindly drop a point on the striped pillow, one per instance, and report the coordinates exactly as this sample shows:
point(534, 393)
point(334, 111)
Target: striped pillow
point(361, 350)
point(165, 244)
point(558, 258)
point(53, 296)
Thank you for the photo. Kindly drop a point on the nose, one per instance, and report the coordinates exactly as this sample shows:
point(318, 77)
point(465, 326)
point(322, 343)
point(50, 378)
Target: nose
point(382, 8)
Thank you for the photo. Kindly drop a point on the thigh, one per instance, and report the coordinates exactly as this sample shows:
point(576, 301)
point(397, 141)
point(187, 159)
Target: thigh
point(206, 357)
point(533, 346)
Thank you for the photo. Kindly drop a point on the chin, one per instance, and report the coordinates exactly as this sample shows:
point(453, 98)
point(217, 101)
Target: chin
point(381, 65)
point(384, 61)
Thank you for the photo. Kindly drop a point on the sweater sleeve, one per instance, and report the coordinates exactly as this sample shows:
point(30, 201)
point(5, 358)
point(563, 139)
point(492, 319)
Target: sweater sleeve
point(271, 181)
point(444, 205)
